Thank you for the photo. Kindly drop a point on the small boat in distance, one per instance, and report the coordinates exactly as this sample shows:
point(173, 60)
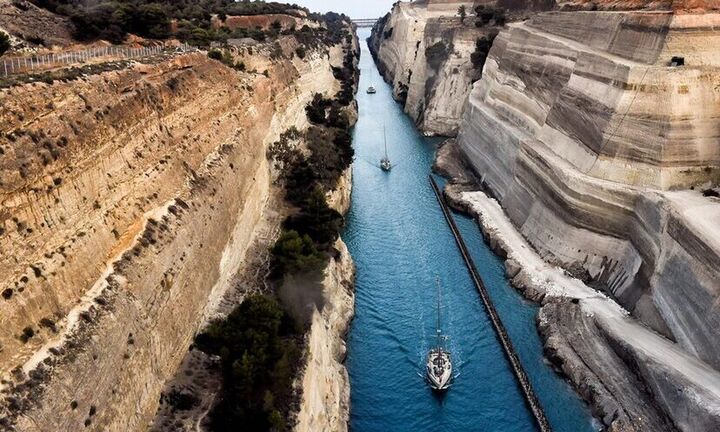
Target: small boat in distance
point(385, 164)
point(371, 90)
point(439, 365)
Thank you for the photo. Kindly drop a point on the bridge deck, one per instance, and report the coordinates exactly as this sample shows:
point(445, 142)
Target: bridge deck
point(365, 22)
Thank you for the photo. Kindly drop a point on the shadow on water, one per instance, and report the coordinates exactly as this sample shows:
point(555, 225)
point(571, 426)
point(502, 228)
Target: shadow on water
point(400, 242)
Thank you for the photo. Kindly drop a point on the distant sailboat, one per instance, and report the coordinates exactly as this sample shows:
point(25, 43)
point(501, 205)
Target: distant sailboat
point(385, 164)
point(371, 89)
point(439, 365)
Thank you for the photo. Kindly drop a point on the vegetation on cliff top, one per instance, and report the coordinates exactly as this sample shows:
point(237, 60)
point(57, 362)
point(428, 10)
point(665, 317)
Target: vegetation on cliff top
point(4, 42)
point(188, 20)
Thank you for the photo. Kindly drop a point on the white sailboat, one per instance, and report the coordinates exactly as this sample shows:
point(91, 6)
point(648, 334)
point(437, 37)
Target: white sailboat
point(385, 164)
point(439, 364)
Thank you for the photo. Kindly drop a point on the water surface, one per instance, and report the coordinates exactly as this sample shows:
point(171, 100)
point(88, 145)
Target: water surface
point(400, 243)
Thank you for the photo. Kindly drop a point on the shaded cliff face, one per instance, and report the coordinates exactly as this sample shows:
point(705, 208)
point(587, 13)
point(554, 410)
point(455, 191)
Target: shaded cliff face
point(129, 199)
point(430, 56)
point(581, 145)
point(425, 54)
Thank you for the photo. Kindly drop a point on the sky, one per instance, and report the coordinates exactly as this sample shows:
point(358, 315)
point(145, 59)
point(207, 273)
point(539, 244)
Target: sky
point(352, 8)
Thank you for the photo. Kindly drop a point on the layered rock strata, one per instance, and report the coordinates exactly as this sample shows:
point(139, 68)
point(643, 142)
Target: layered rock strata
point(129, 200)
point(582, 145)
point(425, 51)
point(432, 89)
point(634, 378)
point(596, 132)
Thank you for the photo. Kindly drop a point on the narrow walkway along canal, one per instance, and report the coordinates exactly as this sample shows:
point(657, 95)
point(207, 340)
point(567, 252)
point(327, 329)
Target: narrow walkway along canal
point(400, 242)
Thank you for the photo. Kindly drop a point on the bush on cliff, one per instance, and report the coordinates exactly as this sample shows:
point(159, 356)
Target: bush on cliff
point(259, 347)
point(295, 253)
point(215, 54)
point(4, 43)
point(316, 220)
point(315, 110)
point(482, 48)
point(437, 54)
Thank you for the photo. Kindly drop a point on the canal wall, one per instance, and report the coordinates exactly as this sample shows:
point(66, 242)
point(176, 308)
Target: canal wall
point(629, 373)
point(325, 383)
point(325, 402)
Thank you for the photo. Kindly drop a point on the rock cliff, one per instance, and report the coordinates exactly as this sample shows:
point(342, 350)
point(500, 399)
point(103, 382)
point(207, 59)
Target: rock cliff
point(592, 149)
point(424, 52)
point(597, 131)
point(325, 404)
point(129, 201)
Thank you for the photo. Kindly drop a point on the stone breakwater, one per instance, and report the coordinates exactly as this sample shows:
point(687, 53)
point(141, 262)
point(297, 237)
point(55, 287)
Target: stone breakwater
point(129, 200)
point(512, 357)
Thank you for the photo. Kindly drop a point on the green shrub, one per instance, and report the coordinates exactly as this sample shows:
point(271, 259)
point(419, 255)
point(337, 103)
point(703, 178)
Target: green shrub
point(258, 344)
point(315, 110)
point(300, 51)
point(215, 54)
point(4, 43)
point(316, 221)
point(482, 48)
point(294, 253)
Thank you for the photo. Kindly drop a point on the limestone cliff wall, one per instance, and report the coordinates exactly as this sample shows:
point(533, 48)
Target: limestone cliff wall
point(597, 149)
point(325, 384)
point(634, 378)
point(325, 404)
point(128, 201)
point(433, 90)
point(582, 143)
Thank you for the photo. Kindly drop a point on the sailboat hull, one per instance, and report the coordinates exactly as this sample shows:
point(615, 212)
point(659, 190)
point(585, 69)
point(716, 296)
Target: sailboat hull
point(439, 369)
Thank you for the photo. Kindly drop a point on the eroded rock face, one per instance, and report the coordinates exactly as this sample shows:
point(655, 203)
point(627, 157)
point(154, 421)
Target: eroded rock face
point(424, 51)
point(25, 21)
point(580, 128)
point(597, 147)
point(663, 5)
point(128, 201)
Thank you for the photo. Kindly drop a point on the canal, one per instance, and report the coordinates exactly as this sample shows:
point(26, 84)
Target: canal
point(400, 243)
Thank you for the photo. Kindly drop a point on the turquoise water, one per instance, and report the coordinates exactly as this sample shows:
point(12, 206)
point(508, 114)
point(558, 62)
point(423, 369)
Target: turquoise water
point(400, 243)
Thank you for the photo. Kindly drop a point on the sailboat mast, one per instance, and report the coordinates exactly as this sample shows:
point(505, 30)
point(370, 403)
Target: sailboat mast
point(385, 141)
point(437, 281)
